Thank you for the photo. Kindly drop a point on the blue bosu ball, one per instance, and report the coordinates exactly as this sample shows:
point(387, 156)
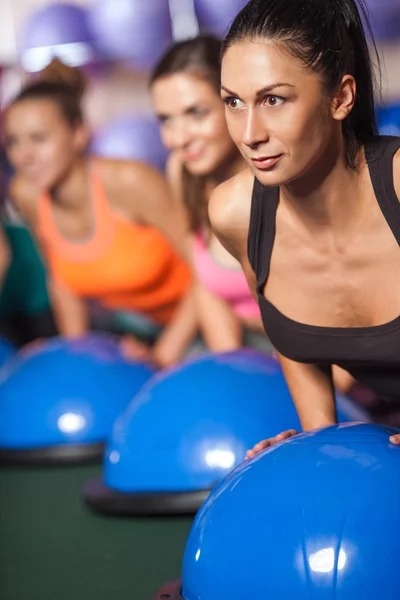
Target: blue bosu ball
point(189, 427)
point(6, 350)
point(314, 517)
point(59, 400)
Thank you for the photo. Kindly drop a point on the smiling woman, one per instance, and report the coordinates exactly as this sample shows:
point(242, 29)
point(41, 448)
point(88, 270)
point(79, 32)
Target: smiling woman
point(185, 90)
point(110, 232)
point(315, 222)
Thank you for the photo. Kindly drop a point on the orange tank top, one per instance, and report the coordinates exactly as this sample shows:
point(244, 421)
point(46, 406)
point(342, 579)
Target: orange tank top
point(123, 265)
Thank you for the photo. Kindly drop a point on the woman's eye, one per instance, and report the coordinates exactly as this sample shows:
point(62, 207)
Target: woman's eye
point(198, 113)
point(232, 102)
point(273, 100)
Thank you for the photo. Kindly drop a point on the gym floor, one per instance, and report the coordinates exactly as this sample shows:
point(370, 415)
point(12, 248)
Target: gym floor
point(52, 547)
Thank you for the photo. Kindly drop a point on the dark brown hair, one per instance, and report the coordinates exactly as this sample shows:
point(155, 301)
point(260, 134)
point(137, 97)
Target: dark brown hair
point(62, 85)
point(329, 36)
point(199, 57)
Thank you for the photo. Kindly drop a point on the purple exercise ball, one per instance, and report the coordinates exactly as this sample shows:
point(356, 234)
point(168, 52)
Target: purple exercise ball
point(131, 138)
point(58, 30)
point(215, 16)
point(136, 32)
point(385, 19)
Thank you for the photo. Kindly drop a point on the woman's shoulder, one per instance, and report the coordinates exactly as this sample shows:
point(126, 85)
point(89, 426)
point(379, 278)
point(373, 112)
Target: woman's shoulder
point(131, 186)
point(230, 203)
point(140, 194)
point(229, 211)
point(120, 174)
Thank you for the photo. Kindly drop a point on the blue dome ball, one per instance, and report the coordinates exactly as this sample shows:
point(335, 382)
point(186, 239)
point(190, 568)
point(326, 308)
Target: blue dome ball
point(66, 391)
point(314, 517)
point(192, 424)
point(6, 350)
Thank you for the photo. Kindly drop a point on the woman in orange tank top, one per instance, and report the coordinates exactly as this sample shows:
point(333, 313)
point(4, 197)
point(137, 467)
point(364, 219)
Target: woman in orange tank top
point(109, 230)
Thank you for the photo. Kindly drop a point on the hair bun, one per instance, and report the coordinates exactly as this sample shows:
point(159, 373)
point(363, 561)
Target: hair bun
point(58, 73)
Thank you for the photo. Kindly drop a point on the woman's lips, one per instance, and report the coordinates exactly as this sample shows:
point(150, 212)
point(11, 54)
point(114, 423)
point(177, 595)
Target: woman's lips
point(266, 162)
point(192, 156)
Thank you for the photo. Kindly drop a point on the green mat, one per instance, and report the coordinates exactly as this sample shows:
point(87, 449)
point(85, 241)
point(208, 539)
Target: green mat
point(52, 548)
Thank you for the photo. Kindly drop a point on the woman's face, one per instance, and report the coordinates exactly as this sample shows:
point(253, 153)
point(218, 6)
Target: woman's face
point(40, 143)
point(276, 111)
point(193, 122)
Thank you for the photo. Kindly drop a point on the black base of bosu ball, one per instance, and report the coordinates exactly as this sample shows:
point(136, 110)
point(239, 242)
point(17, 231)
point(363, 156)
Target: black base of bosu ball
point(170, 591)
point(100, 498)
point(67, 454)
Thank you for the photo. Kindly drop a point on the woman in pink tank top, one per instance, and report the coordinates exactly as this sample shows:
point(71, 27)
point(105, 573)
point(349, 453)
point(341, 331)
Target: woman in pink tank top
point(185, 90)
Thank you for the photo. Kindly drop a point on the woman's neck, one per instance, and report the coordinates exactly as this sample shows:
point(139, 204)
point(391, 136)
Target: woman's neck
point(327, 196)
point(73, 187)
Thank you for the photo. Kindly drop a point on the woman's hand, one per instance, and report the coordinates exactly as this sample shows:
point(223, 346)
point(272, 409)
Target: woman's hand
point(285, 435)
point(133, 349)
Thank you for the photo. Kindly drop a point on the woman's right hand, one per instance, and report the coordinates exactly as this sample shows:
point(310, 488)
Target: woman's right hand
point(285, 435)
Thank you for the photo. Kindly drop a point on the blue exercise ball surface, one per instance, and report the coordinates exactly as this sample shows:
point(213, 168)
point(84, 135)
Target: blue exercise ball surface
point(190, 425)
point(389, 119)
point(131, 138)
point(66, 391)
point(316, 517)
point(6, 350)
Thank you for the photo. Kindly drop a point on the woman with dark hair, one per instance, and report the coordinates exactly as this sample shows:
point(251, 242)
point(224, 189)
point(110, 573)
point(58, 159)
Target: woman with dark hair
point(185, 89)
point(110, 231)
point(315, 221)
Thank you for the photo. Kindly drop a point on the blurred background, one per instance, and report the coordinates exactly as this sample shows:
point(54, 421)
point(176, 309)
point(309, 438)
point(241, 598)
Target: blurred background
point(116, 44)
point(117, 41)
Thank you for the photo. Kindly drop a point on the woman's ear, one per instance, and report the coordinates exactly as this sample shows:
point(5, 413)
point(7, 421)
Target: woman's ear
point(81, 138)
point(344, 98)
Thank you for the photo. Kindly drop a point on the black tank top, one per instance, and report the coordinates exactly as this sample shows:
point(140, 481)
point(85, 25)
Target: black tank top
point(370, 354)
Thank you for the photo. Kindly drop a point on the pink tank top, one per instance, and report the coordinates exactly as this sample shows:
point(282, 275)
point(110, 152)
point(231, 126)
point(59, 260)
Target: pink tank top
point(226, 283)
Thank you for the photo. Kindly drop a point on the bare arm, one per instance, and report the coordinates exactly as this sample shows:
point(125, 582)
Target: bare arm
point(150, 200)
point(221, 329)
point(70, 312)
point(177, 335)
point(310, 386)
point(396, 180)
point(342, 379)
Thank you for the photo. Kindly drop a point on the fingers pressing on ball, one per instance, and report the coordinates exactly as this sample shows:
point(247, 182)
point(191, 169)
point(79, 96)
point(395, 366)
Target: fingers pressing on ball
point(270, 442)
